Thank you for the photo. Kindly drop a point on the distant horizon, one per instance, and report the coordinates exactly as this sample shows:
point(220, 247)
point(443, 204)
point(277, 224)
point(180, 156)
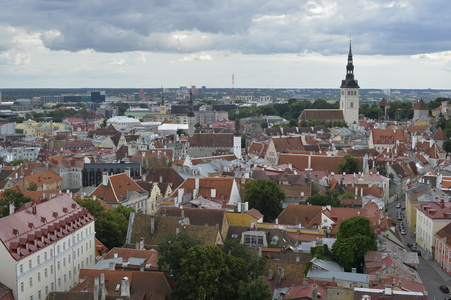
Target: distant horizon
point(207, 87)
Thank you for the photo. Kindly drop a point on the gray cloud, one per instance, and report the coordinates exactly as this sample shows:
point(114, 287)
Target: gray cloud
point(395, 27)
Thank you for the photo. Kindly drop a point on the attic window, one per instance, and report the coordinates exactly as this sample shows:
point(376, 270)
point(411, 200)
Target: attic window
point(119, 186)
point(128, 183)
point(118, 287)
point(234, 236)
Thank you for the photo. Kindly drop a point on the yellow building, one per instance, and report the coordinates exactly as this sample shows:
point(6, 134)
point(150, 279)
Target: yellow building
point(158, 192)
point(32, 128)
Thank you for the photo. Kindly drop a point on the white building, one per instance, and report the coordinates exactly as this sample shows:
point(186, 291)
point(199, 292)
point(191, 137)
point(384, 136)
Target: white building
point(30, 153)
point(349, 94)
point(122, 121)
point(44, 246)
point(431, 217)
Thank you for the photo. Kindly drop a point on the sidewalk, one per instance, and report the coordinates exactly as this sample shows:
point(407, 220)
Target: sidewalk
point(437, 269)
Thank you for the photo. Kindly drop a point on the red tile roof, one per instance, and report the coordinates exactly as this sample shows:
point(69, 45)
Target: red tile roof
point(117, 189)
point(151, 257)
point(222, 185)
point(440, 135)
point(45, 177)
point(387, 136)
point(322, 114)
point(421, 105)
point(28, 231)
point(318, 162)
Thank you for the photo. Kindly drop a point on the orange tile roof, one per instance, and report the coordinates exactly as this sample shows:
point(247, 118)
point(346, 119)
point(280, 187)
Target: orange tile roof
point(44, 177)
point(151, 257)
point(318, 162)
point(295, 214)
point(222, 185)
point(117, 188)
point(440, 135)
point(421, 105)
point(387, 136)
point(285, 144)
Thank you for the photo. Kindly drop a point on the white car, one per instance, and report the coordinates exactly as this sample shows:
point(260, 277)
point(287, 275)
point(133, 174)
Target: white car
point(398, 205)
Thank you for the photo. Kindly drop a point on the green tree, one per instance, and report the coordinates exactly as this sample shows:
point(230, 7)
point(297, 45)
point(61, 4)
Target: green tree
point(447, 146)
point(173, 249)
point(10, 196)
point(382, 170)
point(111, 226)
point(374, 112)
point(17, 162)
point(348, 195)
point(255, 264)
point(257, 289)
point(354, 239)
point(441, 122)
point(330, 198)
point(112, 229)
point(265, 196)
point(32, 186)
point(209, 273)
point(351, 165)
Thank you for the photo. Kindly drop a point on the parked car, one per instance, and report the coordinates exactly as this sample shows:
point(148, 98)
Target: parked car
point(403, 232)
point(418, 252)
point(409, 245)
point(444, 289)
point(398, 205)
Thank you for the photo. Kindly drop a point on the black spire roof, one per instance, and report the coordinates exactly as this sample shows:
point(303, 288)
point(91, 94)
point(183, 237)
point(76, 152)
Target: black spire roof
point(237, 124)
point(190, 111)
point(349, 82)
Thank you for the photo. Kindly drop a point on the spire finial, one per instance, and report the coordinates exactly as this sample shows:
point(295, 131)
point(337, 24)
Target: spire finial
point(350, 39)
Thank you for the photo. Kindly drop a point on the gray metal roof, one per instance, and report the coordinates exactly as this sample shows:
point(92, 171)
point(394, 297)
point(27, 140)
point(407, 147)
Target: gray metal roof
point(105, 263)
point(327, 265)
point(136, 261)
point(338, 276)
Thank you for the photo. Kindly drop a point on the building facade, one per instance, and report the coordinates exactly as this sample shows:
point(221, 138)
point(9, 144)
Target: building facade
point(44, 246)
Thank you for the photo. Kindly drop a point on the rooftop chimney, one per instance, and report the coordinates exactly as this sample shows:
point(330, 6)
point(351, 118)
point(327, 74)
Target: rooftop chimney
point(96, 288)
point(125, 287)
point(105, 178)
point(152, 224)
point(314, 292)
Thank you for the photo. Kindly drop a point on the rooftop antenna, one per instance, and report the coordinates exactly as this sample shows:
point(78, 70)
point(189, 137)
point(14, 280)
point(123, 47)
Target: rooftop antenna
point(233, 95)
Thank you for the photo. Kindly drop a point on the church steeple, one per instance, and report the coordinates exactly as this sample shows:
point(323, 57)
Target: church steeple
point(237, 124)
point(349, 93)
point(191, 118)
point(349, 81)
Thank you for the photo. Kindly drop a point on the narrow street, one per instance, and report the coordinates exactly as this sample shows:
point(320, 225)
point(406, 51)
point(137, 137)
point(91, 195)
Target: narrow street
point(430, 273)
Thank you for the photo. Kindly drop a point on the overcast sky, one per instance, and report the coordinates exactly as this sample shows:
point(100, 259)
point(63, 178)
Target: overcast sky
point(265, 43)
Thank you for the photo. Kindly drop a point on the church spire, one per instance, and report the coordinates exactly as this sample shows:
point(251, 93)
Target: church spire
point(349, 81)
point(190, 108)
point(237, 124)
point(191, 117)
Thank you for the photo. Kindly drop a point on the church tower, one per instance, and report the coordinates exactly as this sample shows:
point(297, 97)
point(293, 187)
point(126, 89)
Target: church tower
point(349, 94)
point(191, 118)
point(237, 137)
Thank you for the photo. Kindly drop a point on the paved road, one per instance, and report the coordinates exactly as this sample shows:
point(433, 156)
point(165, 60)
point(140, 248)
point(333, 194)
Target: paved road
point(430, 273)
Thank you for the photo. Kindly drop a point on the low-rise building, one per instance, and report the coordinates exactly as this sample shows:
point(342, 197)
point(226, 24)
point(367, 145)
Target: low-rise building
point(431, 218)
point(44, 246)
